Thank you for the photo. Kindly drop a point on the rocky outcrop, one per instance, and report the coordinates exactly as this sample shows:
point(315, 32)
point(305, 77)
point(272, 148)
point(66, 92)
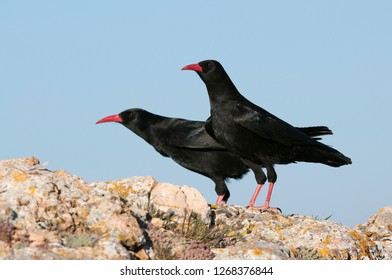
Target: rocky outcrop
point(56, 215)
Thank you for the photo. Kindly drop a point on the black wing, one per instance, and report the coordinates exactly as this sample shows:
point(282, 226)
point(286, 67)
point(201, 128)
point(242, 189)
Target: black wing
point(192, 135)
point(209, 129)
point(270, 127)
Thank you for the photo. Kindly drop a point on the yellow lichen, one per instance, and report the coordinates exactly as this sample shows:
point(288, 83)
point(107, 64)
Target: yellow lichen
point(19, 176)
point(100, 227)
point(327, 241)
point(324, 252)
point(121, 237)
point(32, 190)
point(126, 240)
point(250, 228)
point(83, 213)
point(214, 206)
point(120, 190)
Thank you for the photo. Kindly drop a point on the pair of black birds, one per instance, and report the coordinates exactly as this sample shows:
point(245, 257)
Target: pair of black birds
point(238, 136)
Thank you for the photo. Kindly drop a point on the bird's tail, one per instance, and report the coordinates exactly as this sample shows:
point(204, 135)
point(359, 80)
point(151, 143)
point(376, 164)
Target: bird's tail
point(338, 159)
point(326, 155)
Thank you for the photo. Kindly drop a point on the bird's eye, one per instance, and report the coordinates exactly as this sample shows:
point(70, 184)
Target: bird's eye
point(210, 65)
point(131, 115)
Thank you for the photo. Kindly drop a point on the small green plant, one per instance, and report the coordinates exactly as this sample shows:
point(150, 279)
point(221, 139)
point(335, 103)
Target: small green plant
point(216, 236)
point(322, 219)
point(190, 238)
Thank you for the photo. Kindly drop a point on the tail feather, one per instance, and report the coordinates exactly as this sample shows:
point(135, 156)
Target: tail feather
point(338, 159)
point(313, 131)
point(326, 155)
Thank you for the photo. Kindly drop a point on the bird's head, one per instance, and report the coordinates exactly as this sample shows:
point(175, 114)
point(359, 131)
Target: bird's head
point(210, 71)
point(134, 119)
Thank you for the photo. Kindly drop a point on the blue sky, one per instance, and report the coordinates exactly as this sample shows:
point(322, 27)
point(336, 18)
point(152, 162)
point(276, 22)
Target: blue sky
point(64, 65)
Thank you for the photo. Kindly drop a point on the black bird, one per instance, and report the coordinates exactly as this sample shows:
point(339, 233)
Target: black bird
point(188, 144)
point(258, 137)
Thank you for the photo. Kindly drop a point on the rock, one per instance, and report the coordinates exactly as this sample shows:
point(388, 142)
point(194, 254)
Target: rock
point(304, 237)
point(181, 200)
point(56, 215)
point(135, 191)
point(379, 229)
point(48, 214)
point(253, 250)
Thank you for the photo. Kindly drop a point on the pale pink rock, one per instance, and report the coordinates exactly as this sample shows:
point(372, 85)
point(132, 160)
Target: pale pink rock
point(182, 200)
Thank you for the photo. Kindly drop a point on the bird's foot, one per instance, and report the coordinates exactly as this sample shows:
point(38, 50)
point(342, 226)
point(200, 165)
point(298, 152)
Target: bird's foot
point(219, 202)
point(216, 206)
point(266, 208)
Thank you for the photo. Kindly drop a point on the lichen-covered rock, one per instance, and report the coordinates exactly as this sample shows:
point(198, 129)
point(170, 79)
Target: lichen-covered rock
point(135, 191)
point(379, 229)
point(253, 250)
point(56, 215)
point(304, 237)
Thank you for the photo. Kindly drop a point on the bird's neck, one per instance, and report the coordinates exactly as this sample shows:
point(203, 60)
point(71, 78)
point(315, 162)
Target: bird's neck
point(223, 90)
point(147, 128)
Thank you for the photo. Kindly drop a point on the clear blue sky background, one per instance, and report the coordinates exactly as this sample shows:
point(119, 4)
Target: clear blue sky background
point(66, 64)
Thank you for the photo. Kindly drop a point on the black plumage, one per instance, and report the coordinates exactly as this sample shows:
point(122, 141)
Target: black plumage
point(256, 135)
point(188, 144)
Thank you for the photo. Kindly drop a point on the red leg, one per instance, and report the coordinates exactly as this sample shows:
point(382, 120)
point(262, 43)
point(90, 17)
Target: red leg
point(268, 198)
point(266, 205)
point(255, 194)
point(220, 199)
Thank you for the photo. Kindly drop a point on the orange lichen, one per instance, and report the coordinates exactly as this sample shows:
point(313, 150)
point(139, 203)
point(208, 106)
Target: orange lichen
point(364, 242)
point(258, 252)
